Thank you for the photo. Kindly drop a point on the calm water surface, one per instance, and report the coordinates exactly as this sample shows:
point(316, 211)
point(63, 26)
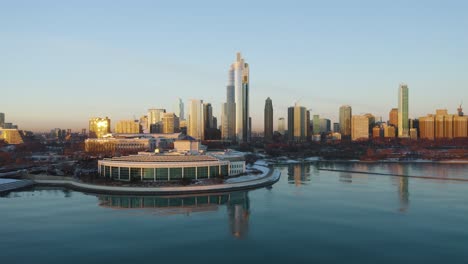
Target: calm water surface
point(309, 216)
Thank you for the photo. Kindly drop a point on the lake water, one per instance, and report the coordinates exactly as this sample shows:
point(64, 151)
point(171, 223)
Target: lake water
point(309, 216)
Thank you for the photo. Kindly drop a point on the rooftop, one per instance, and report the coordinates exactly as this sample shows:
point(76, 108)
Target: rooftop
point(164, 158)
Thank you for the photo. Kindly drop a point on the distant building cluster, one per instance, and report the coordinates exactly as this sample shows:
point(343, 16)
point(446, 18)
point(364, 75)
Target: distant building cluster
point(9, 132)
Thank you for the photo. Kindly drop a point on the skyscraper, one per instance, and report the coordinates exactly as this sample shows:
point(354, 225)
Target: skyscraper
point(240, 72)
point(170, 123)
point(179, 109)
point(298, 123)
point(195, 126)
point(207, 116)
point(403, 125)
point(98, 127)
point(155, 120)
point(268, 120)
point(316, 124)
point(325, 125)
point(127, 127)
point(281, 125)
point(393, 117)
point(228, 109)
point(345, 121)
point(359, 127)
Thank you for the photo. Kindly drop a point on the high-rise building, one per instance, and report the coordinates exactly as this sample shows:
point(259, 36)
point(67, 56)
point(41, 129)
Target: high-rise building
point(316, 124)
point(376, 132)
point(195, 124)
point(393, 117)
point(325, 125)
point(268, 119)
point(170, 123)
point(345, 121)
point(298, 124)
point(228, 110)
point(389, 131)
point(179, 109)
point(128, 127)
point(281, 125)
point(98, 127)
point(371, 118)
point(427, 127)
point(2, 119)
point(336, 127)
point(359, 127)
point(460, 126)
point(240, 72)
point(11, 136)
point(207, 116)
point(403, 109)
point(155, 120)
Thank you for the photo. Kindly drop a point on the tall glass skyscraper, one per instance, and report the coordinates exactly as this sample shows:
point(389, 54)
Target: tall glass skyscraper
point(403, 124)
point(268, 119)
point(179, 109)
point(298, 123)
point(239, 79)
point(195, 125)
point(345, 120)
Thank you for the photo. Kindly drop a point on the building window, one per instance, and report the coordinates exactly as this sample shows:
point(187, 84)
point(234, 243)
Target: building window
point(202, 172)
point(161, 174)
point(224, 170)
point(175, 173)
point(214, 171)
point(189, 172)
point(148, 174)
point(124, 173)
point(115, 172)
point(135, 173)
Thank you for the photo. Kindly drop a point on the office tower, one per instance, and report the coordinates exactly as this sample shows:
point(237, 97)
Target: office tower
point(325, 125)
point(239, 78)
point(207, 116)
point(376, 132)
point(316, 124)
point(98, 127)
point(427, 127)
point(298, 123)
point(128, 127)
point(389, 131)
point(403, 125)
point(359, 127)
point(83, 132)
point(336, 127)
point(170, 123)
point(195, 124)
point(345, 121)
point(179, 109)
point(393, 117)
point(215, 122)
point(2, 119)
point(228, 109)
point(460, 126)
point(371, 118)
point(413, 133)
point(281, 125)
point(268, 120)
point(155, 120)
point(11, 136)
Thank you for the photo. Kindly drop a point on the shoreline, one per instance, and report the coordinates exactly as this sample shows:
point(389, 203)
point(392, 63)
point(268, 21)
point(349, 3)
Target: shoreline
point(269, 177)
point(292, 161)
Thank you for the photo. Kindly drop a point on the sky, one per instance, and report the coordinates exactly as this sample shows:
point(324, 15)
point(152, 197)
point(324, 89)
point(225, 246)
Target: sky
point(62, 62)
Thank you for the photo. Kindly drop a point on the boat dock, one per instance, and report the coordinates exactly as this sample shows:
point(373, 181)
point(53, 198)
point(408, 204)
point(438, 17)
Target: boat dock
point(8, 185)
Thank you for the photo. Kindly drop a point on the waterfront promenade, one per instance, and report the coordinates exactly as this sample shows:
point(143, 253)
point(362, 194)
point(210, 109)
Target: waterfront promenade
point(268, 177)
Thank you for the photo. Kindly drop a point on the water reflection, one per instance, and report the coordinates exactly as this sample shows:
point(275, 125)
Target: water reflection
point(299, 174)
point(237, 203)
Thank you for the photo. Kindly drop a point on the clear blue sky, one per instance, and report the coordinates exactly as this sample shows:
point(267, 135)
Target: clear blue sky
point(62, 62)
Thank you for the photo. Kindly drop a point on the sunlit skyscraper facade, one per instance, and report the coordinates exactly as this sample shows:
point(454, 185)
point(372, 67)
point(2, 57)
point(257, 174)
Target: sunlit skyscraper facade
point(179, 109)
point(345, 120)
point(195, 122)
point(403, 124)
point(298, 123)
point(240, 72)
point(98, 127)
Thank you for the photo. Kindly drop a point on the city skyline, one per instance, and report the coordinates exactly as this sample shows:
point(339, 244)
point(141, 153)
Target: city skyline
point(71, 71)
